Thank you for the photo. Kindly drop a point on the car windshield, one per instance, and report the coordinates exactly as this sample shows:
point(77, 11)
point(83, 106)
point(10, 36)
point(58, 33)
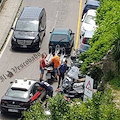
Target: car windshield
point(91, 7)
point(18, 93)
point(85, 47)
point(59, 38)
point(90, 20)
point(22, 25)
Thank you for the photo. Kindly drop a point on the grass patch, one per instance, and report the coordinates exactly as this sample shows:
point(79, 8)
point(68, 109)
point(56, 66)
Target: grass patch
point(115, 83)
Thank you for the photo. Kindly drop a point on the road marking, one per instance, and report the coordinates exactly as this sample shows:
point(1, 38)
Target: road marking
point(8, 38)
point(56, 18)
point(78, 25)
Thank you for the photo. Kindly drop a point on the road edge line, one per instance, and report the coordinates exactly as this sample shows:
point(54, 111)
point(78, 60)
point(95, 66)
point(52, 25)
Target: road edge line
point(78, 25)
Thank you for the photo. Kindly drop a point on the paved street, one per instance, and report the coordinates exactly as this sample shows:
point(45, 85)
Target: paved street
point(62, 14)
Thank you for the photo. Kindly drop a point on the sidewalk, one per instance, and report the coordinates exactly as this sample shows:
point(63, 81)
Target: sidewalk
point(7, 16)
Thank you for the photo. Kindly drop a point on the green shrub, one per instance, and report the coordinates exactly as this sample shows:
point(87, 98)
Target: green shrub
point(100, 107)
point(36, 112)
point(107, 19)
point(115, 83)
point(59, 107)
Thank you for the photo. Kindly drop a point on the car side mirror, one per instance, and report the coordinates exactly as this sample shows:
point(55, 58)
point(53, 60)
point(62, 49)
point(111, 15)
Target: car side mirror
point(72, 33)
point(31, 94)
point(82, 20)
point(11, 82)
point(83, 17)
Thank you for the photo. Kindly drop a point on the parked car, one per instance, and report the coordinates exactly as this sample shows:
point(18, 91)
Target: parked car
point(29, 29)
point(20, 95)
point(88, 21)
point(90, 4)
point(62, 37)
point(91, 0)
point(84, 41)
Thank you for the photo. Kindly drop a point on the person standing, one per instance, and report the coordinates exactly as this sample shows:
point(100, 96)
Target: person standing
point(48, 88)
point(42, 65)
point(56, 62)
point(61, 72)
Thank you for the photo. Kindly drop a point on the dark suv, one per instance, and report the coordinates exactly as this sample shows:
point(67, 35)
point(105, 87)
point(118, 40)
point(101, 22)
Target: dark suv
point(63, 38)
point(29, 29)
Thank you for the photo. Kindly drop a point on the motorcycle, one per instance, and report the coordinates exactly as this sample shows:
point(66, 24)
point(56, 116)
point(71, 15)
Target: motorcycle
point(71, 88)
point(50, 75)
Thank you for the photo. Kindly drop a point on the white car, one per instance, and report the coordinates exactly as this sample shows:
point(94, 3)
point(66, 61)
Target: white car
point(88, 21)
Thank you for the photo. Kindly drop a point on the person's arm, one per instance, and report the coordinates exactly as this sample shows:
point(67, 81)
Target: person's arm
point(52, 61)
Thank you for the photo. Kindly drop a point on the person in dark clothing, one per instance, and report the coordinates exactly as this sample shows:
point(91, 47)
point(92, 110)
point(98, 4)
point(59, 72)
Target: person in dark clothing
point(47, 87)
point(61, 71)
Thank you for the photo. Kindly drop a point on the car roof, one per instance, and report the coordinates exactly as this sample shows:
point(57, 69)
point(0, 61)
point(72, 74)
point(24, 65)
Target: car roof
point(93, 2)
point(30, 13)
point(23, 83)
point(91, 12)
point(60, 31)
point(89, 34)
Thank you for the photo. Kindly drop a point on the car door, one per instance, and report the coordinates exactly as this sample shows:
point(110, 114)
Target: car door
point(34, 94)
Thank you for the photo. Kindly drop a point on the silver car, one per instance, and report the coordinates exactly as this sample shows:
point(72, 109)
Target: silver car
point(84, 41)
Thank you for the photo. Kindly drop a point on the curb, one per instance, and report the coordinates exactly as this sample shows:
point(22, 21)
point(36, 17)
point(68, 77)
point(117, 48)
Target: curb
point(5, 36)
point(2, 4)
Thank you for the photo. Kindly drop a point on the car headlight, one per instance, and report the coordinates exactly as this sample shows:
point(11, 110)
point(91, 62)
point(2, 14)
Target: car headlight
point(36, 39)
point(14, 39)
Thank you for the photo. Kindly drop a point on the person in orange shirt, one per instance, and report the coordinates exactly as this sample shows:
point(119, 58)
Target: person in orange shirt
point(56, 62)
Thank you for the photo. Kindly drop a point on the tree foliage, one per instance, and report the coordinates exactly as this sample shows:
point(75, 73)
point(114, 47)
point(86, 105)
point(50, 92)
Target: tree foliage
point(100, 107)
point(108, 16)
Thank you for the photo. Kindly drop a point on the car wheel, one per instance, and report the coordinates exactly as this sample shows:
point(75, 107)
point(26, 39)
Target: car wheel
point(50, 50)
point(13, 48)
point(73, 44)
point(44, 34)
point(3, 112)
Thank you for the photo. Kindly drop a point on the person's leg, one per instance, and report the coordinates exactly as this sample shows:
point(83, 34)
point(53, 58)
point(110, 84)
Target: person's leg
point(55, 72)
point(62, 77)
point(50, 93)
point(41, 74)
point(59, 81)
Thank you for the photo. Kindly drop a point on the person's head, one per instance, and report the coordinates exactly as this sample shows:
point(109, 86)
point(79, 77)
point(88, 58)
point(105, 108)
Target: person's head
point(65, 62)
point(42, 55)
point(39, 88)
point(53, 53)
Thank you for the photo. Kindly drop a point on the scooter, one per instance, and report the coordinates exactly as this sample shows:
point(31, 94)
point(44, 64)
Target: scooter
point(50, 75)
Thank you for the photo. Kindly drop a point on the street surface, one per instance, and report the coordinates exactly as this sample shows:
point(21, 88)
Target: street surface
point(19, 64)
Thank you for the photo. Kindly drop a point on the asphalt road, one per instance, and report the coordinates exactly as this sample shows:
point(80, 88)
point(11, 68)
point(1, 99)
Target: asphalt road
point(60, 14)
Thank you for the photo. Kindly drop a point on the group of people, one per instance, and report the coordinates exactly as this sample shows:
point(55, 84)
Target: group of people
point(59, 69)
